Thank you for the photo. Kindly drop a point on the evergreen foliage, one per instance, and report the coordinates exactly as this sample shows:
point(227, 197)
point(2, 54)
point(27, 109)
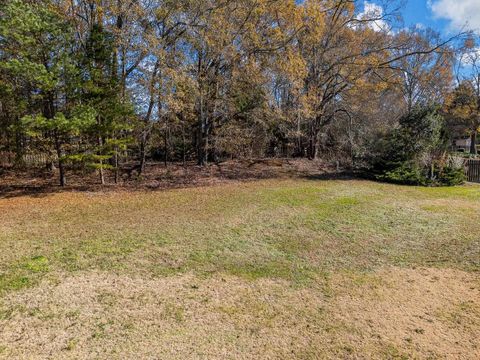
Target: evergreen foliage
point(416, 153)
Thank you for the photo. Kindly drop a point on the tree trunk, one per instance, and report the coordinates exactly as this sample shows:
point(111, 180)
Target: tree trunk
point(116, 166)
point(101, 172)
point(313, 144)
point(146, 132)
point(142, 155)
point(317, 141)
point(317, 146)
point(200, 147)
point(184, 155)
point(61, 167)
point(202, 135)
point(202, 143)
point(19, 150)
point(299, 151)
point(311, 148)
point(166, 146)
point(473, 145)
point(50, 165)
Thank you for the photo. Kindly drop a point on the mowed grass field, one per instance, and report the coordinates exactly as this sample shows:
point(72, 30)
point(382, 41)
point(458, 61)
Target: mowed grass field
point(271, 269)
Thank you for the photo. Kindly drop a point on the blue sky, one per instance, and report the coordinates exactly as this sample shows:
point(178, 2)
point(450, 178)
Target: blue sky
point(435, 14)
point(419, 12)
point(445, 16)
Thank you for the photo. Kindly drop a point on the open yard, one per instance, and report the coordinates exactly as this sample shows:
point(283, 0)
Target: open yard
point(268, 269)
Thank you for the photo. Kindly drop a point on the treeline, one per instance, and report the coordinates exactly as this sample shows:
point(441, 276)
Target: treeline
point(98, 83)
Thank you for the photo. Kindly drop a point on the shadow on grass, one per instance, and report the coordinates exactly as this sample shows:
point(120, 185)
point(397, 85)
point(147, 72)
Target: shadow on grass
point(36, 191)
point(175, 176)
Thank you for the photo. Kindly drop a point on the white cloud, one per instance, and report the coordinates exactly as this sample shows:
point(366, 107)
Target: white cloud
point(472, 57)
point(374, 13)
point(458, 12)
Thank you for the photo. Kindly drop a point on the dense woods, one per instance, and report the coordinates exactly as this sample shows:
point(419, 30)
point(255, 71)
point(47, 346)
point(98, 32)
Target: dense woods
point(102, 84)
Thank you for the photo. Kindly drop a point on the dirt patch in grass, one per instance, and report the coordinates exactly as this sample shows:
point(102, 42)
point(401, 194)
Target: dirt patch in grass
point(389, 313)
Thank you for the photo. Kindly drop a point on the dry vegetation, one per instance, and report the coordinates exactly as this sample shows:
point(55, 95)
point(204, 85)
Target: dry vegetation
point(277, 268)
point(38, 181)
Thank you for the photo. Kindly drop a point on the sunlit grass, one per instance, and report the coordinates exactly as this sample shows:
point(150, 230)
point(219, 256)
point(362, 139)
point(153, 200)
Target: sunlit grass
point(295, 230)
point(298, 269)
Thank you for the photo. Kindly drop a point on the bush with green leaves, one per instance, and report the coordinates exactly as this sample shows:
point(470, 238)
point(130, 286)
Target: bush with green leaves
point(451, 176)
point(407, 173)
point(416, 152)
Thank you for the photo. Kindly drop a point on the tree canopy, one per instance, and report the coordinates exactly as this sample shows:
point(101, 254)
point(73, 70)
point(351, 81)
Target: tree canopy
point(97, 83)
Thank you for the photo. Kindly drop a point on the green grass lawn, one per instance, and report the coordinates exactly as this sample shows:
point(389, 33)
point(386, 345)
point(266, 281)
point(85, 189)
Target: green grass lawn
point(270, 269)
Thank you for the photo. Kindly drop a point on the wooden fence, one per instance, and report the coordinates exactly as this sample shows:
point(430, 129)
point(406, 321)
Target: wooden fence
point(7, 159)
point(473, 170)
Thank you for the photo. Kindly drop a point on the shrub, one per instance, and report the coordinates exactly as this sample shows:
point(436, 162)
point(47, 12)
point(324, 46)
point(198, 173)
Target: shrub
point(407, 174)
point(451, 176)
point(415, 152)
point(454, 172)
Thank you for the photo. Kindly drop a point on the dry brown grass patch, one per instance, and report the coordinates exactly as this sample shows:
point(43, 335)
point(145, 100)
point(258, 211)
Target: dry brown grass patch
point(391, 313)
